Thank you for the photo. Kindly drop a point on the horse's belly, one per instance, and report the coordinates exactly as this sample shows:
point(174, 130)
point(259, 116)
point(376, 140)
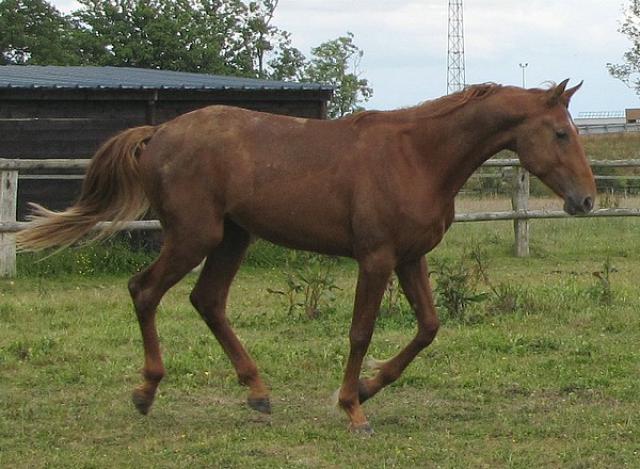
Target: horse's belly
point(298, 226)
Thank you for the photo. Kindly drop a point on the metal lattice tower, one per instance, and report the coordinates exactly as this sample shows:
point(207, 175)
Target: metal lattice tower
point(455, 54)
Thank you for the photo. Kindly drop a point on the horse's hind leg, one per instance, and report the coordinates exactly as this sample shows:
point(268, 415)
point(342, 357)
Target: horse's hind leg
point(177, 258)
point(210, 297)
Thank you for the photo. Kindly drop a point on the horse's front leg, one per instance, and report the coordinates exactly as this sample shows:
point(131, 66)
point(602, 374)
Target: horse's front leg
point(373, 275)
point(413, 277)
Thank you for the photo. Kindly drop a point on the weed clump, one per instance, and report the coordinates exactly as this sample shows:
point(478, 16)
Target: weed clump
point(508, 298)
point(310, 283)
point(393, 301)
point(602, 290)
point(456, 289)
point(466, 282)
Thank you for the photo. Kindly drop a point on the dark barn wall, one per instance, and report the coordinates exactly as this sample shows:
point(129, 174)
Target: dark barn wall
point(73, 123)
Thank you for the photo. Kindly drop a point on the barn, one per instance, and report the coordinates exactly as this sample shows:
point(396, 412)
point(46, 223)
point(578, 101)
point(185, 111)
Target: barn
point(67, 112)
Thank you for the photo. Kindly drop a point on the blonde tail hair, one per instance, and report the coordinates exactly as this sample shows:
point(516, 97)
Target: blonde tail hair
point(111, 191)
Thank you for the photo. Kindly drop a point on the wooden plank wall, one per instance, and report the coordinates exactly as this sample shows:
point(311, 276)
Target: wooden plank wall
point(42, 128)
point(65, 124)
point(57, 137)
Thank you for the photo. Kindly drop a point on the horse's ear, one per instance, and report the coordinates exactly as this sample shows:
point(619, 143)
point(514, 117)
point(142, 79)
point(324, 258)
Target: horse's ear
point(566, 96)
point(554, 94)
point(560, 95)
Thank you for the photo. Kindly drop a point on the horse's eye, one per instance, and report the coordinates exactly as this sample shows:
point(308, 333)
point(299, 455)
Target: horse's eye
point(562, 134)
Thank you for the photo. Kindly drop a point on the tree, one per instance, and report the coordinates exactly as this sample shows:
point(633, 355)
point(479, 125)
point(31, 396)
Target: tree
point(34, 32)
point(269, 49)
point(214, 36)
point(629, 71)
point(228, 37)
point(286, 62)
point(336, 62)
point(186, 35)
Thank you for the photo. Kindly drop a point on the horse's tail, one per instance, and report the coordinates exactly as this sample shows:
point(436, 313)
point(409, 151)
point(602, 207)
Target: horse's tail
point(111, 191)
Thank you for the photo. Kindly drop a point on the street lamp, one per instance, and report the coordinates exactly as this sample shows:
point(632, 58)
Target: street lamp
point(523, 66)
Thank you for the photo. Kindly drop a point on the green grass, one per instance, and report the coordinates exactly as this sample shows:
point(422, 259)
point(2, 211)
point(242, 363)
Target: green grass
point(612, 146)
point(552, 385)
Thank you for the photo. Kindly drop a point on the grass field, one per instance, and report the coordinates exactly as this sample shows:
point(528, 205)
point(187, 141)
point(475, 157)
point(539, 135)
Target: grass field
point(545, 372)
point(612, 146)
point(551, 380)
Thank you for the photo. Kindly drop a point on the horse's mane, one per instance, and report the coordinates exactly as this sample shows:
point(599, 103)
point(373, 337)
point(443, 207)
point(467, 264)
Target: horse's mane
point(447, 104)
point(441, 106)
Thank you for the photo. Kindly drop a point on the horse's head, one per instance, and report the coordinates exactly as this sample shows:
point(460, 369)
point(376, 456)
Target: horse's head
point(548, 146)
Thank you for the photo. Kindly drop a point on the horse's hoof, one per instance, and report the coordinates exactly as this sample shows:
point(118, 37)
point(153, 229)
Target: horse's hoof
point(141, 401)
point(261, 404)
point(363, 429)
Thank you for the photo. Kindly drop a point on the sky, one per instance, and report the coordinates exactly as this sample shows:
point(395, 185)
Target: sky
point(405, 44)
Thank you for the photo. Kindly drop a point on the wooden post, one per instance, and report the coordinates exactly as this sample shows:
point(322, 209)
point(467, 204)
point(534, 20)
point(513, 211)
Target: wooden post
point(151, 109)
point(520, 201)
point(8, 202)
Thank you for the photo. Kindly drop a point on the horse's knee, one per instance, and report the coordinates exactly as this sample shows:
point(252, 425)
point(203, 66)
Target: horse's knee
point(359, 340)
point(195, 299)
point(209, 306)
point(428, 332)
point(143, 298)
point(203, 300)
point(432, 326)
point(134, 285)
point(136, 291)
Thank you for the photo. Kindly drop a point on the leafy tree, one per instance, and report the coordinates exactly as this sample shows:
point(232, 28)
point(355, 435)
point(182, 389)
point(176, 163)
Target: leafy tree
point(268, 48)
point(34, 32)
point(214, 36)
point(287, 62)
point(629, 71)
point(186, 35)
point(336, 62)
point(231, 37)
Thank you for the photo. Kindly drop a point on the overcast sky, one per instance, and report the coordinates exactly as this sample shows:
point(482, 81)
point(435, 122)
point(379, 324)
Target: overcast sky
point(405, 44)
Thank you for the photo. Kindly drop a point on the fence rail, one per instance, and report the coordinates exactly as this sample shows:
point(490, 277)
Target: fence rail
point(543, 214)
point(611, 128)
point(10, 168)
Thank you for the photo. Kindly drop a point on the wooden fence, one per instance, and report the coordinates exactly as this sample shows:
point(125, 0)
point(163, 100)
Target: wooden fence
point(10, 168)
point(611, 128)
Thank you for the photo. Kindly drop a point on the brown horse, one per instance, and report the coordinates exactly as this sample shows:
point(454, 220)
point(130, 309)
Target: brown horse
point(376, 186)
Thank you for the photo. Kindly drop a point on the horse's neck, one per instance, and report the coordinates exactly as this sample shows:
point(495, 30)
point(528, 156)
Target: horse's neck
point(469, 136)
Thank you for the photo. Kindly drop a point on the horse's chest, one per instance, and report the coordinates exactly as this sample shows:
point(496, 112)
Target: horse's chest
point(422, 232)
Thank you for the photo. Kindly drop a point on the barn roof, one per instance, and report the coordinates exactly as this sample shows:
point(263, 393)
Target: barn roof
point(88, 77)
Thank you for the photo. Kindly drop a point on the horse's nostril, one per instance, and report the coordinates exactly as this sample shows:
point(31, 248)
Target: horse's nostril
point(587, 204)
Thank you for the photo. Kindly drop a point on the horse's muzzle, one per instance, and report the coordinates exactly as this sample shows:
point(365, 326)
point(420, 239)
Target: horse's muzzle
point(576, 205)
